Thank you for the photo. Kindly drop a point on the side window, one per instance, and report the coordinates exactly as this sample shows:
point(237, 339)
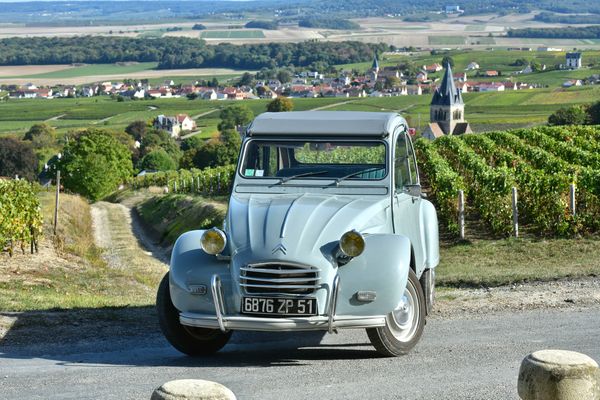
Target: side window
point(412, 164)
point(401, 163)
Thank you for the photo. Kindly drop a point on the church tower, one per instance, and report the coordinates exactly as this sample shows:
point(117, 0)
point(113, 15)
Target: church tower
point(447, 106)
point(375, 68)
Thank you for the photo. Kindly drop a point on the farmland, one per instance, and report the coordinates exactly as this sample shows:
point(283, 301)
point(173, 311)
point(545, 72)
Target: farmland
point(233, 34)
point(485, 111)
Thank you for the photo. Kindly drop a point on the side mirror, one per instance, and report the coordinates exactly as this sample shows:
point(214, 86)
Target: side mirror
point(413, 190)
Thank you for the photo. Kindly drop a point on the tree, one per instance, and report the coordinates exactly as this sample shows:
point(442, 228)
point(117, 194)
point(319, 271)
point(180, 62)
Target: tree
point(213, 154)
point(246, 79)
point(594, 113)
point(95, 163)
point(392, 82)
point(234, 116)
point(137, 129)
point(193, 142)
point(447, 60)
point(17, 158)
point(41, 135)
point(574, 115)
point(158, 160)
point(156, 139)
point(280, 104)
point(284, 76)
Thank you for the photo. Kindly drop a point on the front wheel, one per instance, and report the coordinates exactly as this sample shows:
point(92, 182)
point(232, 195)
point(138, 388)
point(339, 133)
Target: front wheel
point(404, 326)
point(187, 339)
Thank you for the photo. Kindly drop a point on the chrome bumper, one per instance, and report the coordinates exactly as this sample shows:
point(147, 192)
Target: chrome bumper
point(242, 323)
point(224, 322)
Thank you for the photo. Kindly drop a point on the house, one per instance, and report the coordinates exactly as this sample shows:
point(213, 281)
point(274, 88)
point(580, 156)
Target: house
point(432, 68)
point(453, 10)
point(422, 76)
point(460, 76)
point(88, 91)
point(491, 73)
point(573, 60)
point(488, 87)
point(472, 66)
point(543, 48)
point(174, 125)
point(574, 82)
point(511, 85)
point(208, 94)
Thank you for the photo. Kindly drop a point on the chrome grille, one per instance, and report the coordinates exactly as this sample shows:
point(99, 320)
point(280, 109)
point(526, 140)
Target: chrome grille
point(279, 278)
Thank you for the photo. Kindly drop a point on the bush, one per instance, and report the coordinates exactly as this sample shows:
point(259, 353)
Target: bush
point(41, 135)
point(574, 115)
point(158, 160)
point(20, 216)
point(280, 104)
point(95, 163)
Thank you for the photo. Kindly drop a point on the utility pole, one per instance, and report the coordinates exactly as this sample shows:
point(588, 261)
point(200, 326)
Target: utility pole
point(56, 200)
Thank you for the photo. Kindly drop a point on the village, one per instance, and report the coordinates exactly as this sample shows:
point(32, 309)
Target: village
point(376, 82)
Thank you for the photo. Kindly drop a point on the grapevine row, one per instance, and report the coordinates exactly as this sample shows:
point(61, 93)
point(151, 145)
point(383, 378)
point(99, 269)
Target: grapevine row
point(445, 182)
point(209, 181)
point(20, 215)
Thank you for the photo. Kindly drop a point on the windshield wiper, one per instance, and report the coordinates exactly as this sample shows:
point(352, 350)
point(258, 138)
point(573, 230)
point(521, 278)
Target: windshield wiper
point(289, 178)
point(338, 180)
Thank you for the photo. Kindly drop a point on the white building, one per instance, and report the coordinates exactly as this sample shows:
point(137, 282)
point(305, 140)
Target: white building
point(573, 60)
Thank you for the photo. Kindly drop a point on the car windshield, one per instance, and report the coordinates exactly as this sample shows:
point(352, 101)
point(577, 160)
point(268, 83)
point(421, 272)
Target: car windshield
point(314, 159)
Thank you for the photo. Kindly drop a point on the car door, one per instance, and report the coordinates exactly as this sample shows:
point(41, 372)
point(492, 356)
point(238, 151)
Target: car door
point(407, 196)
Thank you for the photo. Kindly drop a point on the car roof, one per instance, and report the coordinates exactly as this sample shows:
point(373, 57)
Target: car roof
point(326, 123)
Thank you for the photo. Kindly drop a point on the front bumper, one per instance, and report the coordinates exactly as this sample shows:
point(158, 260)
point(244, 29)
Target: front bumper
point(279, 324)
point(225, 322)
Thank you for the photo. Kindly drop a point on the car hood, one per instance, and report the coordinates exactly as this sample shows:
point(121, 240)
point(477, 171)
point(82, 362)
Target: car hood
point(294, 226)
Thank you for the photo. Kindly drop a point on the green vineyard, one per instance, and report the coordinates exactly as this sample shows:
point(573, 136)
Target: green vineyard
point(541, 163)
point(20, 215)
point(209, 181)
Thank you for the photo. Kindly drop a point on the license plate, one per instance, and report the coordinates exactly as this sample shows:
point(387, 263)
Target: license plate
point(279, 306)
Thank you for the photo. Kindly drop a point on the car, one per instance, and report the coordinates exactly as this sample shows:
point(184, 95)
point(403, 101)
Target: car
point(327, 229)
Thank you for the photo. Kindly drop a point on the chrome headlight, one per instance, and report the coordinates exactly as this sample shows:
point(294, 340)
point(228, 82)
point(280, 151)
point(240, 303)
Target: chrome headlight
point(352, 244)
point(213, 241)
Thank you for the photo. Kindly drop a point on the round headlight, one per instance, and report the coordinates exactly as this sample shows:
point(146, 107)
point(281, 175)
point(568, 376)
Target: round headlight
point(213, 241)
point(352, 244)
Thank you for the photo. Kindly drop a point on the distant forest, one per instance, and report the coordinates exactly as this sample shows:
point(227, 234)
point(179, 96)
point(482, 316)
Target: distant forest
point(581, 32)
point(327, 23)
point(171, 52)
point(104, 12)
point(568, 19)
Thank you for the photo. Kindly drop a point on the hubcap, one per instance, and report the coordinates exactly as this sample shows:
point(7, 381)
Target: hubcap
point(402, 322)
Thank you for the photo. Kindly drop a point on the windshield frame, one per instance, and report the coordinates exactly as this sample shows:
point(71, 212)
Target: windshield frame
point(328, 139)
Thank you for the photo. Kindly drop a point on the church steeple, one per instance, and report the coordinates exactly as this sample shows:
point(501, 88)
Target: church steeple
point(447, 111)
point(375, 65)
point(447, 94)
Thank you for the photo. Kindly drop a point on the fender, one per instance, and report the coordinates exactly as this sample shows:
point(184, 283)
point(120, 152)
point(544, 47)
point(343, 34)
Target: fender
point(191, 268)
point(429, 234)
point(382, 268)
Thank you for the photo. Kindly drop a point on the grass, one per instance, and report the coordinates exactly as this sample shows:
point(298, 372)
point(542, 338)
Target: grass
point(69, 271)
point(171, 215)
point(95, 69)
point(502, 262)
point(510, 108)
point(233, 34)
point(447, 40)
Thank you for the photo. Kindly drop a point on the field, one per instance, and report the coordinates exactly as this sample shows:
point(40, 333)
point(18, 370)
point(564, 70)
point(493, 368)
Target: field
point(69, 75)
point(233, 34)
point(485, 111)
point(453, 31)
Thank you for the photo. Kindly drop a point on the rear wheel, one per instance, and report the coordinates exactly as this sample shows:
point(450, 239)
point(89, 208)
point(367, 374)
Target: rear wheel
point(404, 326)
point(187, 339)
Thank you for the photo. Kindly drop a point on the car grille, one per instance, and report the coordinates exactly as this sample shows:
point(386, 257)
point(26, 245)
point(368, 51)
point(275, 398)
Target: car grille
point(278, 278)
